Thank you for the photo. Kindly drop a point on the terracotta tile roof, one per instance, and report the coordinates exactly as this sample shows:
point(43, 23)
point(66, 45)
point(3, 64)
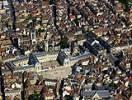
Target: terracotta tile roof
point(119, 8)
point(49, 94)
point(2, 50)
point(100, 17)
point(101, 30)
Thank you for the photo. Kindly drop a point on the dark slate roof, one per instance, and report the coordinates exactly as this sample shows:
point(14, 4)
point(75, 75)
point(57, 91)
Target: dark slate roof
point(52, 2)
point(101, 93)
point(112, 58)
point(104, 43)
point(88, 94)
point(10, 65)
point(97, 46)
point(90, 40)
point(91, 35)
point(32, 59)
point(61, 57)
point(91, 49)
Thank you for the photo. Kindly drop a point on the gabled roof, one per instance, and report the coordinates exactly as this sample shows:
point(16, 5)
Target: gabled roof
point(32, 59)
point(61, 57)
point(10, 65)
point(96, 96)
point(104, 43)
point(62, 54)
point(91, 49)
point(103, 93)
point(100, 93)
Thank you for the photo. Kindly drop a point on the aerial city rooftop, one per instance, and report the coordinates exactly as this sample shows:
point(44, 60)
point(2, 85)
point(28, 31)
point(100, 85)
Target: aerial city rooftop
point(65, 50)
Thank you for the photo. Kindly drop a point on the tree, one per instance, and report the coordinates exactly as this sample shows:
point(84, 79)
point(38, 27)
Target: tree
point(68, 97)
point(34, 96)
point(40, 47)
point(64, 43)
point(126, 4)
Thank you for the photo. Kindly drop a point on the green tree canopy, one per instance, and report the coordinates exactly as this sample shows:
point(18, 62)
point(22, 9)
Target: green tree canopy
point(126, 3)
point(64, 43)
point(34, 96)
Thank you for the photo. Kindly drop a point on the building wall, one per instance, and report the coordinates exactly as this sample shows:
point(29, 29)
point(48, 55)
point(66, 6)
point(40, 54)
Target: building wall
point(44, 58)
point(47, 58)
point(50, 83)
point(21, 62)
point(49, 98)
